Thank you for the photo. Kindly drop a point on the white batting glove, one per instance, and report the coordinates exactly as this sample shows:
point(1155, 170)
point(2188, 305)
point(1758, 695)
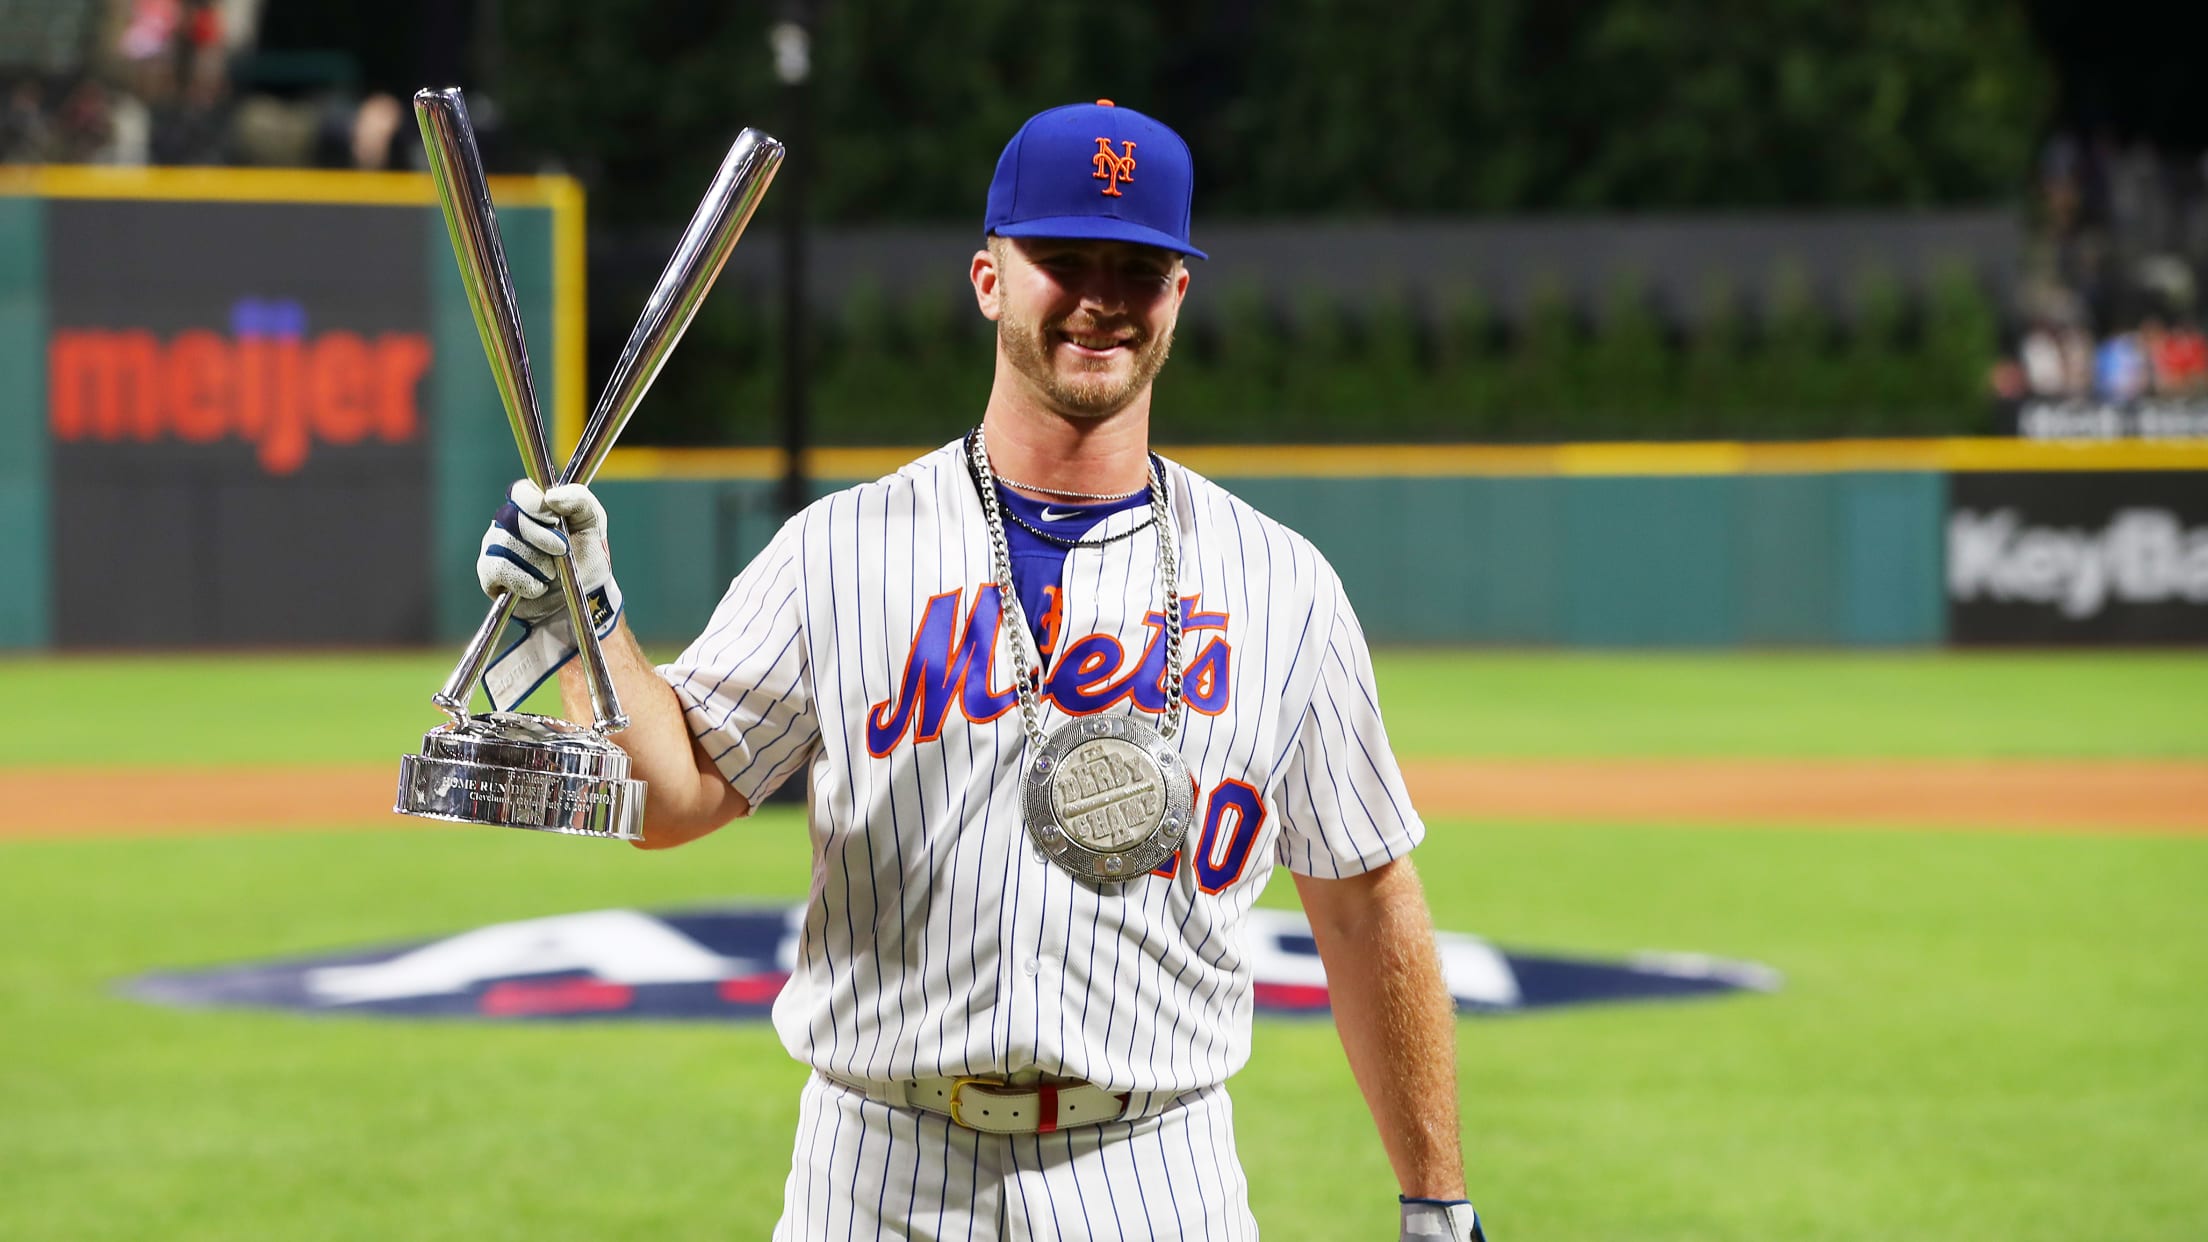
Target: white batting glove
point(520, 556)
point(525, 540)
point(1425, 1220)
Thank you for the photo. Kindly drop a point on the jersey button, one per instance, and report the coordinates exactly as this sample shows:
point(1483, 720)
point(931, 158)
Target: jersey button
point(1031, 968)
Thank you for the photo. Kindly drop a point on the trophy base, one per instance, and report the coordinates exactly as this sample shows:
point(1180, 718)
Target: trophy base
point(514, 770)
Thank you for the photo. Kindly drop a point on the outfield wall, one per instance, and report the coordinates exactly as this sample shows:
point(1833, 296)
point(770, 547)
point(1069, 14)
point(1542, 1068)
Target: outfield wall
point(1697, 561)
point(1842, 543)
point(209, 377)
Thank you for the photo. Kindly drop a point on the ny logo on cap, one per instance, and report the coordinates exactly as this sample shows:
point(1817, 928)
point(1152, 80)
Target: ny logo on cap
point(1112, 169)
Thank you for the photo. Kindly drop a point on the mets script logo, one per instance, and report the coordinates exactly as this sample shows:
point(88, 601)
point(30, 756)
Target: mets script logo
point(1112, 169)
point(952, 662)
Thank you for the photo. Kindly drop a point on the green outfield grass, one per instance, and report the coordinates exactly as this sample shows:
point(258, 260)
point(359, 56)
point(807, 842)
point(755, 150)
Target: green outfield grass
point(343, 707)
point(1909, 705)
point(1981, 1035)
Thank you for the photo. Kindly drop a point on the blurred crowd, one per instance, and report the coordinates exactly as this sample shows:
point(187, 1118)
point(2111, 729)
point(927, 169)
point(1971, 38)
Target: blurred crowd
point(2109, 309)
point(180, 82)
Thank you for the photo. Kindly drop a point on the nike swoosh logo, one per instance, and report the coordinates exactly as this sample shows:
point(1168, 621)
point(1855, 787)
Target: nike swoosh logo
point(1055, 515)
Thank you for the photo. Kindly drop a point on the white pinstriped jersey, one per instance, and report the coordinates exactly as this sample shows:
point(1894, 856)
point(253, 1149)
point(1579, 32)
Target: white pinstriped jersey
point(862, 647)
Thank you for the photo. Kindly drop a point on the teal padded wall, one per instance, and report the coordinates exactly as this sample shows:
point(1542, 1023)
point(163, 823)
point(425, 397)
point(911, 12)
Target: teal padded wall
point(1663, 561)
point(1892, 572)
point(678, 542)
point(1787, 551)
point(24, 567)
point(1649, 562)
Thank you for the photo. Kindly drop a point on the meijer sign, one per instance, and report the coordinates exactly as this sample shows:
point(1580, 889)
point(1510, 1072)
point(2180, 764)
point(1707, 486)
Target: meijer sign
point(280, 393)
point(229, 385)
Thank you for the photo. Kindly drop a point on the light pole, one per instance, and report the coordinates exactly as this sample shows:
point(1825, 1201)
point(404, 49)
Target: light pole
point(792, 41)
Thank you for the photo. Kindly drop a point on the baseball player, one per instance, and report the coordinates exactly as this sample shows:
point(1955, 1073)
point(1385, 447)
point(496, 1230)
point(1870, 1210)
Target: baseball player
point(1061, 706)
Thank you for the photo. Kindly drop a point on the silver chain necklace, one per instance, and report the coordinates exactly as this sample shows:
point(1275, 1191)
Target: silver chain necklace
point(1069, 493)
point(1107, 798)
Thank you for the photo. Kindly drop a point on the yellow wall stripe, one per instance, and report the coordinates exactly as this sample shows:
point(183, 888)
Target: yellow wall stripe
point(267, 185)
point(713, 463)
point(752, 463)
point(570, 324)
point(1489, 460)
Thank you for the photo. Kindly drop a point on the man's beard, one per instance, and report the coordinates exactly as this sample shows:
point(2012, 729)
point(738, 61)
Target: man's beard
point(1090, 393)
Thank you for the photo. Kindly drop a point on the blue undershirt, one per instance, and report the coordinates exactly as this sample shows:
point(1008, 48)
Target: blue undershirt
point(1038, 565)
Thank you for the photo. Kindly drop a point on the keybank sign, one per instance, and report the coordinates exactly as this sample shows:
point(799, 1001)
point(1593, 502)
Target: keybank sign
point(269, 382)
point(2142, 556)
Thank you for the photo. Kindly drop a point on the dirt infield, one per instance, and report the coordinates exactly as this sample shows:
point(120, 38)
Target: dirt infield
point(2067, 795)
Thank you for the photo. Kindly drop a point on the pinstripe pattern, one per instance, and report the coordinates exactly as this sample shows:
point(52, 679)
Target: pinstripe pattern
point(937, 940)
point(864, 1170)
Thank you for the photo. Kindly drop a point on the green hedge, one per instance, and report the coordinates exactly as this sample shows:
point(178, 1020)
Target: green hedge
point(1780, 364)
point(1301, 108)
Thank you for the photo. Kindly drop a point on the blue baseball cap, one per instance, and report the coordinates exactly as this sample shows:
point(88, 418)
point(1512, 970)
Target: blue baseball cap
point(1094, 171)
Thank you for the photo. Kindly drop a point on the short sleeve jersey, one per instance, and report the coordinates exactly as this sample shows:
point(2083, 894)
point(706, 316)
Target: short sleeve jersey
point(863, 649)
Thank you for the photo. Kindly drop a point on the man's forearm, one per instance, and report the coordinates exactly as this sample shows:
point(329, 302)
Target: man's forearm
point(685, 797)
point(1397, 1021)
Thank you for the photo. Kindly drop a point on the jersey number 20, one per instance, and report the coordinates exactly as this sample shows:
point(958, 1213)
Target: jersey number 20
point(1233, 814)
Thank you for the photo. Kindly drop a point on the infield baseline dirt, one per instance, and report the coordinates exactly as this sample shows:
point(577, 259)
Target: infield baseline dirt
point(2065, 795)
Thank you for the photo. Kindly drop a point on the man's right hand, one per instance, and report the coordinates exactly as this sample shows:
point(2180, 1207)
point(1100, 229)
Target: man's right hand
point(525, 541)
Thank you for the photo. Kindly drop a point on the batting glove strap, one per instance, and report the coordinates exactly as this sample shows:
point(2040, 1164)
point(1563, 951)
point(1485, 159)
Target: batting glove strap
point(515, 673)
point(1427, 1219)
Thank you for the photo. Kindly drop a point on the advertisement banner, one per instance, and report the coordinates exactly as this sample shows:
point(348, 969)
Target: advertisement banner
point(2078, 557)
point(2141, 418)
point(237, 422)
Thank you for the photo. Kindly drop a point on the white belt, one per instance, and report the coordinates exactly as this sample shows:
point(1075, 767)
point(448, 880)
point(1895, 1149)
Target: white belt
point(994, 1106)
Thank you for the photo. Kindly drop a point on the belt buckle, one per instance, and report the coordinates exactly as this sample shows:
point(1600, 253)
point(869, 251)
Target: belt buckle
point(958, 1087)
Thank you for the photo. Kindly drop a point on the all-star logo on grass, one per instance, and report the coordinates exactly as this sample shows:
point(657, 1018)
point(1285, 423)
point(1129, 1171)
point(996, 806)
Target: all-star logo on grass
point(729, 964)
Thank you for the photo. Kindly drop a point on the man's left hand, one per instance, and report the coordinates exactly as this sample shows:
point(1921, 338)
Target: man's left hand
point(1428, 1220)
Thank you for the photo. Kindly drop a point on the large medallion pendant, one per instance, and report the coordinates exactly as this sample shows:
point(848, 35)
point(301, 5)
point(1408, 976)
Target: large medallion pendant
point(1107, 798)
